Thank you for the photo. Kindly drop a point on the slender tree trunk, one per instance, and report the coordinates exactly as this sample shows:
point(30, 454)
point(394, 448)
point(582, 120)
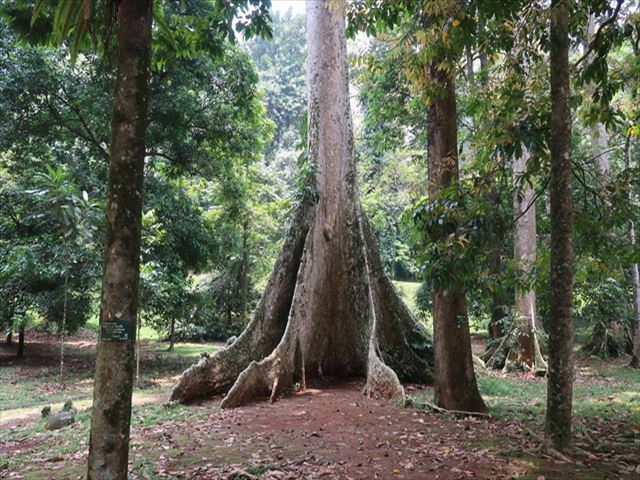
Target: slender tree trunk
point(560, 375)
point(455, 380)
point(635, 275)
point(496, 326)
point(244, 274)
point(9, 340)
point(64, 324)
point(524, 243)
point(469, 58)
point(172, 335)
point(229, 306)
point(138, 326)
point(111, 412)
point(20, 341)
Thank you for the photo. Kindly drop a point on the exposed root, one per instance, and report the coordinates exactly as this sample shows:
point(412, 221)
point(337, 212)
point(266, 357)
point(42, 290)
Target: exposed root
point(382, 381)
point(460, 413)
point(403, 342)
point(217, 373)
point(277, 372)
point(256, 381)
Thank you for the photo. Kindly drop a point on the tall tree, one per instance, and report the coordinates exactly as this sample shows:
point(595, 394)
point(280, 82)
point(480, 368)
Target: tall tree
point(328, 308)
point(113, 380)
point(524, 244)
point(560, 326)
point(455, 387)
point(635, 273)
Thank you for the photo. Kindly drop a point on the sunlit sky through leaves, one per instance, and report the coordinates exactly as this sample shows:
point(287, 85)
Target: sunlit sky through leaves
point(281, 6)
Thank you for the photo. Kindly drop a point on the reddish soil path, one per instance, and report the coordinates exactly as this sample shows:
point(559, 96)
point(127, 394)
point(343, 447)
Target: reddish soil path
point(337, 433)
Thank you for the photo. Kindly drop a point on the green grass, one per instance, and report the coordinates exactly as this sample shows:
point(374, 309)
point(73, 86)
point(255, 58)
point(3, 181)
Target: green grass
point(601, 390)
point(26, 393)
point(34, 385)
point(610, 393)
point(183, 349)
point(408, 291)
point(47, 445)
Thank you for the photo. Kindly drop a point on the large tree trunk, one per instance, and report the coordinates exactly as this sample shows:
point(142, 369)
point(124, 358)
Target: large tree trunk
point(528, 353)
point(328, 308)
point(560, 376)
point(455, 380)
point(111, 412)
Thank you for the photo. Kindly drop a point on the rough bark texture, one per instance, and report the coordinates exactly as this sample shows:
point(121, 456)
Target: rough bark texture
point(111, 412)
point(528, 353)
point(455, 380)
point(560, 375)
point(244, 273)
point(328, 308)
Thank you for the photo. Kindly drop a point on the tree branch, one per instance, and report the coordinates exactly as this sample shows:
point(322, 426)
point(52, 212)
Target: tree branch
point(604, 24)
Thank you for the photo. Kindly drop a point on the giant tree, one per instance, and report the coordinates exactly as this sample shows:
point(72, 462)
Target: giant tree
point(329, 307)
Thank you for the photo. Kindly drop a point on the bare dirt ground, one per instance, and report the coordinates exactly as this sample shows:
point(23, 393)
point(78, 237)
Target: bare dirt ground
point(334, 432)
point(329, 431)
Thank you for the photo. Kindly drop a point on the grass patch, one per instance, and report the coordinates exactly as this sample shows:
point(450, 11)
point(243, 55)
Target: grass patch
point(182, 349)
point(407, 291)
point(594, 396)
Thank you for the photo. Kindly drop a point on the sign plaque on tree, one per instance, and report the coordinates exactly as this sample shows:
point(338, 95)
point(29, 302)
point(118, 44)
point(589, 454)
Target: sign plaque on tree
point(115, 330)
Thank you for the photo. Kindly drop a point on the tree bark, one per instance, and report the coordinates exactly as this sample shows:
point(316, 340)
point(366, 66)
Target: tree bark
point(64, 324)
point(139, 324)
point(635, 275)
point(20, 351)
point(455, 380)
point(244, 273)
point(9, 339)
point(111, 412)
point(528, 353)
point(560, 375)
point(329, 308)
